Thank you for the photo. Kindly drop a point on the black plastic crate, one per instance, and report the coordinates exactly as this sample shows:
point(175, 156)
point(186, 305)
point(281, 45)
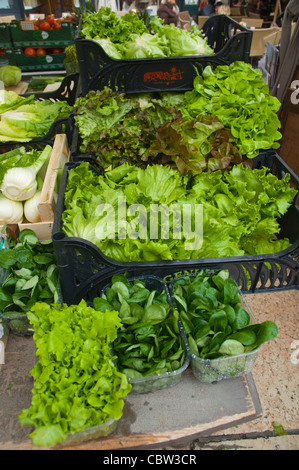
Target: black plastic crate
point(67, 91)
point(84, 269)
point(230, 41)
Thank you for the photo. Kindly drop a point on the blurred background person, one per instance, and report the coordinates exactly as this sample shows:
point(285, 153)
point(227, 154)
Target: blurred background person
point(223, 10)
point(207, 9)
point(168, 11)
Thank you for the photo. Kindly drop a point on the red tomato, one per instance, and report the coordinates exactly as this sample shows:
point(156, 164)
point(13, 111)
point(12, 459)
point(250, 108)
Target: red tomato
point(56, 50)
point(29, 52)
point(2, 52)
point(50, 20)
point(41, 51)
point(56, 25)
point(45, 25)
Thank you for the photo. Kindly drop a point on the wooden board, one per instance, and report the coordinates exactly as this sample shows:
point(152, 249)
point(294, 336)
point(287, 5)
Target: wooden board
point(173, 415)
point(20, 89)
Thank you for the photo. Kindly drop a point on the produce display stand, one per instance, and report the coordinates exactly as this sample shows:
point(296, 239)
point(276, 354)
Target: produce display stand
point(42, 38)
point(168, 416)
point(190, 407)
point(14, 39)
point(41, 62)
point(97, 69)
point(84, 269)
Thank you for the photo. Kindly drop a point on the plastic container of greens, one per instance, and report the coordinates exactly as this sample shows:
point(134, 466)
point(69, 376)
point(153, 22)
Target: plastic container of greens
point(214, 370)
point(94, 432)
point(150, 383)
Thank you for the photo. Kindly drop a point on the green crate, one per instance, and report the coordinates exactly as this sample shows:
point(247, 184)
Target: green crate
point(53, 37)
point(5, 37)
point(40, 62)
point(10, 56)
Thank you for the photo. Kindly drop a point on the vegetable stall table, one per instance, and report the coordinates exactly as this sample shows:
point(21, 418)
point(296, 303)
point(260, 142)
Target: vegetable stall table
point(244, 407)
point(154, 418)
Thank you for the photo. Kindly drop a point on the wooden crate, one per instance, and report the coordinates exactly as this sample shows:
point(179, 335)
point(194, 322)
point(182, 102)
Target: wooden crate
point(46, 206)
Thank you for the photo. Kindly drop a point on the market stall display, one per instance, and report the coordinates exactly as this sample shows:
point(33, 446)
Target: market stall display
point(87, 254)
point(157, 69)
point(118, 305)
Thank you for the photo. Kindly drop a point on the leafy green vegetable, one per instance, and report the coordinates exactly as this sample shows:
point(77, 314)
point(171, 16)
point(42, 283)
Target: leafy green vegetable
point(115, 127)
point(146, 45)
point(107, 24)
point(11, 100)
point(10, 75)
point(180, 41)
point(128, 37)
point(149, 341)
point(239, 98)
point(76, 385)
point(40, 83)
point(147, 128)
point(219, 327)
point(241, 209)
point(27, 121)
point(32, 275)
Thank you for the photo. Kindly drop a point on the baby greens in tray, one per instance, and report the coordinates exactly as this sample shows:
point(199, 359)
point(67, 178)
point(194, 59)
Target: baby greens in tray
point(149, 341)
point(215, 322)
point(31, 275)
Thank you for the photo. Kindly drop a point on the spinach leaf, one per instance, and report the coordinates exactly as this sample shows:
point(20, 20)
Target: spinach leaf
point(149, 341)
point(32, 274)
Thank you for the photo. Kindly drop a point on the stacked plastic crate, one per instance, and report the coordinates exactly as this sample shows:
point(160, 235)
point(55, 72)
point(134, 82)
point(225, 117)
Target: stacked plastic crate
point(17, 36)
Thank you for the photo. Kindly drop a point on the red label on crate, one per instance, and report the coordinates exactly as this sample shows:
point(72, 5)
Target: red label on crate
point(163, 77)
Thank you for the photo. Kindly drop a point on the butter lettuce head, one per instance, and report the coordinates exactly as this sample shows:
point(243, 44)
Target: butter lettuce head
point(238, 97)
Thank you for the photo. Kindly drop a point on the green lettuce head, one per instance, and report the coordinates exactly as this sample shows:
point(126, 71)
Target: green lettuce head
point(10, 75)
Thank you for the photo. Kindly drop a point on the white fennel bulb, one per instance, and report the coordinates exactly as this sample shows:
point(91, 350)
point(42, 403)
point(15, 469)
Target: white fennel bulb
point(19, 183)
point(10, 211)
point(31, 211)
point(31, 208)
